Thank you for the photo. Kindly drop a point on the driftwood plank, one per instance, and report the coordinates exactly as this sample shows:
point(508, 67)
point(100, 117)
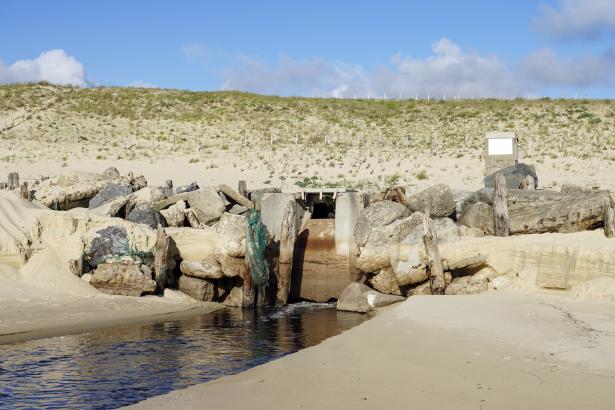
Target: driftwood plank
point(287, 246)
point(434, 260)
point(500, 206)
point(235, 196)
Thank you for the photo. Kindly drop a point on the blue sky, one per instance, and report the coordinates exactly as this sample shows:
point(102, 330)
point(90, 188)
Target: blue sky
point(317, 48)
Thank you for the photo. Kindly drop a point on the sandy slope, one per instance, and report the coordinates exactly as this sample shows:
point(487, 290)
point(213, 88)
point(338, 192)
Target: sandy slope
point(40, 297)
point(496, 351)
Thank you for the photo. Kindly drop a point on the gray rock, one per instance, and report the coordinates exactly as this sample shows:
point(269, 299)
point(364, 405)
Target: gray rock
point(478, 215)
point(360, 298)
point(122, 278)
point(378, 214)
point(113, 207)
point(109, 242)
point(193, 186)
point(109, 193)
point(446, 230)
point(438, 199)
point(205, 203)
point(199, 289)
point(397, 230)
point(147, 216)
point(514, 174)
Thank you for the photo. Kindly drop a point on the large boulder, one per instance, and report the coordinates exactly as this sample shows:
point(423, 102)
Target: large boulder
point(205, 204)
point(109, 242)
point(109, 193)
point(409, 263)
point(208, 268)
point(122, 278)
point(385, 282)
point(360, 298)
point(231, 230)
point(147, 216)
point(232, 267)
point(379, 214)
point(397, 230)
point(513, 174)
point(113, 207)
point(374, 257)
point(192, 244)
point(175, 214)
point(199, 289)
point(478, 215)
point(438, 199)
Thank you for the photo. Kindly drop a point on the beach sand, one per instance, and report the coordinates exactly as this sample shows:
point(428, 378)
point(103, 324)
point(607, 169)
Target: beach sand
point(495, 350)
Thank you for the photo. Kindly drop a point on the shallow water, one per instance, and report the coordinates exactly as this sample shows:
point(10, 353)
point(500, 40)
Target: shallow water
point(123, 365)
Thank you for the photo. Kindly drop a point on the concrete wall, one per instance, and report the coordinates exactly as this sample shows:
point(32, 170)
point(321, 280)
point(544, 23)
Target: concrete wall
point(272, 209)
point(347, 208)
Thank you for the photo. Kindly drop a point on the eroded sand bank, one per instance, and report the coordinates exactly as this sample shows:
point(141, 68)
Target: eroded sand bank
point(495, 350)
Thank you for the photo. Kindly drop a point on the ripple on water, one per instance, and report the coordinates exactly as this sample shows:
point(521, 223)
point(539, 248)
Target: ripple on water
point(123, 365)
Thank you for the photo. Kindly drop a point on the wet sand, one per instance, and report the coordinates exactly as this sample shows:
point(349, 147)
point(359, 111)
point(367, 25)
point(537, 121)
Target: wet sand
point(495, 350)
point(27, 318)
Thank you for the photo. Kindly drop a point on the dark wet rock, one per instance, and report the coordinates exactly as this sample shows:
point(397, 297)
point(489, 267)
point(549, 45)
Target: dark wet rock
point(109, 193)
point(109, 242)
point(147, 216)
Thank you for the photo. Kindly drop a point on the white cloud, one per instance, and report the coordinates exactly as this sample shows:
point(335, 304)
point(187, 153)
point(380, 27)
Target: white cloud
point(142, 84)
point(546, 68)
point(54, 66)
point(449, 70)
point(312, 77)
point(580, 19)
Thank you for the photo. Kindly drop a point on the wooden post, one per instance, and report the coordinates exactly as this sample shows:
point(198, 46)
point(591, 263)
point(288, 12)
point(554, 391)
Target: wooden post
point(609, 220)
point(249, 292)
point(13, 180)
point(23, 190)
point(242, 188)
point(434, 260)
point(500, 206)
point(287, 247)
point(527, 183)
point(161, 251)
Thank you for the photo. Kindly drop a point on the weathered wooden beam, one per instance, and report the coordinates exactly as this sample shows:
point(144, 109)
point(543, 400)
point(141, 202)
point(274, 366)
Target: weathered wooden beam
point(500, 206)
point(287, 246)
point(235, 196)
point(13, 180)
point(434, 260)
point(23, 190)
point(161, 251)
point(242, 188)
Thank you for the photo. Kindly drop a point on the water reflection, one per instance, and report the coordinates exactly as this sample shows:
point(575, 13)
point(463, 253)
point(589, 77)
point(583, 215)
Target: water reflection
point(123, 365)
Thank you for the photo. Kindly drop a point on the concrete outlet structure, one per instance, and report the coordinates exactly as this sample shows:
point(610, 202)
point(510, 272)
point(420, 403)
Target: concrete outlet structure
point(325, 250)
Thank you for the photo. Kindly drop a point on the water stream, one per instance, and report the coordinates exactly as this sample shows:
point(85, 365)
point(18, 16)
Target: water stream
point(118, 366)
